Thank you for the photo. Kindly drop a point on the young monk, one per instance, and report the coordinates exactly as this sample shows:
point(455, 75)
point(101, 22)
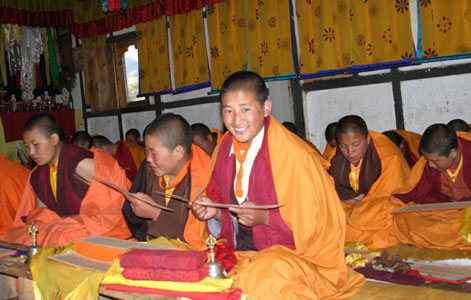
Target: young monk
point(443, 174)
point(61, 196)
point(175, 167)
point(12, 183)
point(282, 253)
point(81, 139)
point(128, 155)
point(367, 167)
point(407, 142)
point(329, 134)
point(203, 138)
point(133, 136)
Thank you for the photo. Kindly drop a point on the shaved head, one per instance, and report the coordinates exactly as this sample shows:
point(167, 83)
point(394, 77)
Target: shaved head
point(349, 124)
point(459, 125)
point(81, 138)
point(171, 130)
point(99, 141)
point(45, 123)
point(200, 130)
point(439, 139)
point(246, 81)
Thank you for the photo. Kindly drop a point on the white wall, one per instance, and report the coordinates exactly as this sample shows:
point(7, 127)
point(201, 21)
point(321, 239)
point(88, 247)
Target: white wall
point(137, 120)
point(436, 100)
point(208, 114)
point(374, 103)
point(107, 126)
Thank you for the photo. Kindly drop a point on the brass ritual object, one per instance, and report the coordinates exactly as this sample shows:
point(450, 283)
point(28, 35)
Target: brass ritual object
point(214, 267)
point(32, 250)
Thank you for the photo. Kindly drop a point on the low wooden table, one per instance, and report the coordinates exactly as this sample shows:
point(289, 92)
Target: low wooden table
point(11, 269)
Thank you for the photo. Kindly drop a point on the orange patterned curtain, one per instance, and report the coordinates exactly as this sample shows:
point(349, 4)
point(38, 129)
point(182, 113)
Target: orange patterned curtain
point(152, 47)
point(340, 35)
point(445, 27)
point(190, 64)
point(269, 37)
point(227, 40)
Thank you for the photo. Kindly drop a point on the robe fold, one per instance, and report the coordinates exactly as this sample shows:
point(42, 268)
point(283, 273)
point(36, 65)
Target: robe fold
point(369, 221)
point(99, 212)
point(431, 229)
point(181, 223)
point(129, 156)
point(329, 152)
point(301, 251)
point(412, 141)
point(13, 181)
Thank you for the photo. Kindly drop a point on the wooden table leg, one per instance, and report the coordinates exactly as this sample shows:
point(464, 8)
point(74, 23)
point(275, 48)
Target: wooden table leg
point(26, 291)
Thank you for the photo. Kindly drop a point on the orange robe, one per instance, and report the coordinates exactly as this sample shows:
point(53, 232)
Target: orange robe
point(369, 221)
point(413, 142)
point(12, 183)
point(432, 229)
point(100, 211)
point(311, 209)
point(329, 152)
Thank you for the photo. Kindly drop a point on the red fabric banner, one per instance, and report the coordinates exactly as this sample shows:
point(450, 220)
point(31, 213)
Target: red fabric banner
point(13, 123)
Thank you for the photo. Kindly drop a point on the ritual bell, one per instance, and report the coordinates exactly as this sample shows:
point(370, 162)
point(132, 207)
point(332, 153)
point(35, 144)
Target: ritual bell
point(32, 250)
point(214, 267)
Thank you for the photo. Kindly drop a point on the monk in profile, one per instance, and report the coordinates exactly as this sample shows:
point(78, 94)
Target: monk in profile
point(129, 155)
point(61, 195)
point(366, 169)
point(81, 139)
point(442, 175)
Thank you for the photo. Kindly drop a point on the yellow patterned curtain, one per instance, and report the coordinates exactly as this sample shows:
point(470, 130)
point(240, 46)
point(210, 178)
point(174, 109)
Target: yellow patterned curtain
point(227, 40)
point(269, 37)
point(152, 49)
point(445, 27)
point(340, 34)
point(189, 49)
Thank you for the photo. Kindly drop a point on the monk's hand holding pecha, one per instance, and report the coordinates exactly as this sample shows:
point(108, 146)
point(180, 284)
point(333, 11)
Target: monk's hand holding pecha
point(251, 217)
point(142, 209)
point(204, 213)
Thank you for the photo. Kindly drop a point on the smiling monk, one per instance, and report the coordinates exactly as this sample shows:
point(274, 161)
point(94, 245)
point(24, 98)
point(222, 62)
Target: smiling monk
point(292, 252)
point(367, 167)
point(61, 196)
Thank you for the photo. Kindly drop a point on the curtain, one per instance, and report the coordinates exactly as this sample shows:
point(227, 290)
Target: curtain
point(189, 50)
point(349, 34)
point(227, 40)
point(445, 27)
point(269, 37)
point(152, 50)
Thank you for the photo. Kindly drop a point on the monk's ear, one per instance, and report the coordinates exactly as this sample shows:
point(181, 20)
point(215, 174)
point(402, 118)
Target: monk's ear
point(179, 151)
point(267, 107)
point(210, 138)
point(453, 153)
point(55, 138)
point(368, 138)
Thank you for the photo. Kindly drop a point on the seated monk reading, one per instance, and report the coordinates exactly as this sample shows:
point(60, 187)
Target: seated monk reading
point(366, 168)
point(61, 196)
point(204, 138)
point(12, 183)
point(282, 253)
point(173, 166)
point(407, 142)
point(442, 174)
point(128, 155)
point(81, 139)
point(329, 134)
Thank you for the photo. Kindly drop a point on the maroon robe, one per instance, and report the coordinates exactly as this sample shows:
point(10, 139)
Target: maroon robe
point(261, 191)
point(125, 160)
point(70, 188)
point(429, 188)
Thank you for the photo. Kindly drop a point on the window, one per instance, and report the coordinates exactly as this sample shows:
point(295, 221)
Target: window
point(132, 74)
